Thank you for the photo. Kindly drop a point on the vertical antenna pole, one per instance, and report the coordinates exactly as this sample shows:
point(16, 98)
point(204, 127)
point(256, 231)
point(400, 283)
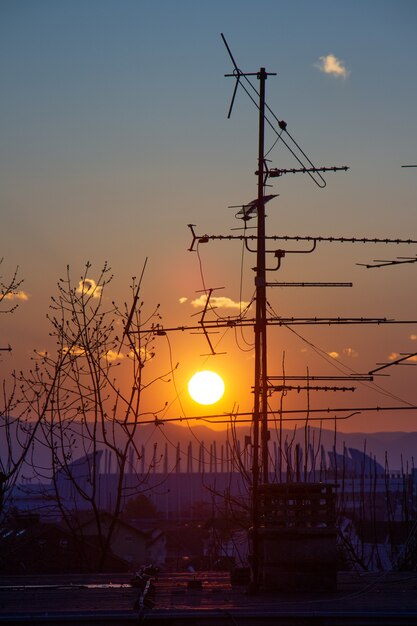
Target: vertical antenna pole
point(260, 445)
point(261, 279)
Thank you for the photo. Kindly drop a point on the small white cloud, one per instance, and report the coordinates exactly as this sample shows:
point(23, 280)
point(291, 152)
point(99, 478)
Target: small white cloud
point(182, 300)
point(89, 287)
point(16, 295)
point(144, 354)
point(219, 302)
point(112, 355)
point(334, 354)
point(74, 350)
point(350, 352)
point(330, 64)
point(395, 355)
point(413, 337)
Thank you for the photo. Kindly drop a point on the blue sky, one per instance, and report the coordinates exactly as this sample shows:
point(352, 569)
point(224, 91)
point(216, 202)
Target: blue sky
point(114, 137)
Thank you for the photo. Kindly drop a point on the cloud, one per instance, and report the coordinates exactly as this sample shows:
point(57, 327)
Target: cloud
point(219, 302)
point(413, 337)
point(89, 287)
point(112, 355)
point(334, 355)
point(182, 300)
point(16, 295)
point(350, 352)
point(396, 355)
point(73, 350)
point(144, 354)
point(330, 64)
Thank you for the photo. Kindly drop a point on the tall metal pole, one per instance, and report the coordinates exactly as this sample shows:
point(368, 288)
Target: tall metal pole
point(261, 281)
point(260, 416)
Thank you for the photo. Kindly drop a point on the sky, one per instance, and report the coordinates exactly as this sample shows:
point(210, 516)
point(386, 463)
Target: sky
point(114, 137)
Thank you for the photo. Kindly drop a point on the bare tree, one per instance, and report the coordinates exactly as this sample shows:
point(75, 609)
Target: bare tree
point(9, 291)
point(15, 434)
point(86, 393)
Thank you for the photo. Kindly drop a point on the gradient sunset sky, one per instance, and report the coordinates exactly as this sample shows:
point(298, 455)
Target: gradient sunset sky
point(114, 136)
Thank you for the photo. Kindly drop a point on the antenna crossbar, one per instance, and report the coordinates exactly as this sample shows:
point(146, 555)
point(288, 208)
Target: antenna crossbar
point(275, 172)
point(396, 362)
point(354, 377)
point(308, 284)
point(299, 388)
point(317, 239)
point(380, 263)
point(294, 321)
point(158, 329)
point(240, 416)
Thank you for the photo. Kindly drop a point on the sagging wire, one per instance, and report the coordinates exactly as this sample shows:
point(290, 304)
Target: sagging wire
point(174, 382)
point(274, 144)
point(242, 312)
point(249, 344)
point(240, 347)
point(203, 282)
point(178, 398)
point(343, 367)
point(281, 124)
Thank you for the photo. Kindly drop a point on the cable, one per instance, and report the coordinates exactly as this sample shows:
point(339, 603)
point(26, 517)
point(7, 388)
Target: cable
point(344, 367)
point(282, 125)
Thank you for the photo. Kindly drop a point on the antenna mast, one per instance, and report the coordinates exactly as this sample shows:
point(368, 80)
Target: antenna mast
point(260, 416)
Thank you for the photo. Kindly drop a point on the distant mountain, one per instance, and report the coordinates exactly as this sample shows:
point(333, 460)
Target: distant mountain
point(168, 440)
point(397, 447)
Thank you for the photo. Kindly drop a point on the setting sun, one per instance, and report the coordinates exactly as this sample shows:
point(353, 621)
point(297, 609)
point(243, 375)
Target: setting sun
point(206, 387)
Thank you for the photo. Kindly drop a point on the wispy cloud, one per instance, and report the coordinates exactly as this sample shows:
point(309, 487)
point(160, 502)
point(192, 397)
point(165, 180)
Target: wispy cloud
point(219, 302)
point(182, 300)
point(89, 287)
point(330, 64)
point(73, 350)
point(144, 354)
point(16, 295)
point(112, 355)
point(351, 353)
point(396, 355)
point(78, 351)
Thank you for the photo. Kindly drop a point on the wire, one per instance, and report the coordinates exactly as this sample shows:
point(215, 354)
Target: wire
point(283, 126)
point(178, 398)
point(242, 256)
point(343, 367)
point(273, 145)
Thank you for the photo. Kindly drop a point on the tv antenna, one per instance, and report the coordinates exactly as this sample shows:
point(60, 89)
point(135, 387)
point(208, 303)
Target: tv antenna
point(259, 243)
point(400, 260)
point(260, 460)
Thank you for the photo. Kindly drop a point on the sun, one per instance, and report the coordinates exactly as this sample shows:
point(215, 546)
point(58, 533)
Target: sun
point(206, 387)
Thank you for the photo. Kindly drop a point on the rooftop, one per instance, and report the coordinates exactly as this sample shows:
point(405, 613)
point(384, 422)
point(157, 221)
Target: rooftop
point(387, 598)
